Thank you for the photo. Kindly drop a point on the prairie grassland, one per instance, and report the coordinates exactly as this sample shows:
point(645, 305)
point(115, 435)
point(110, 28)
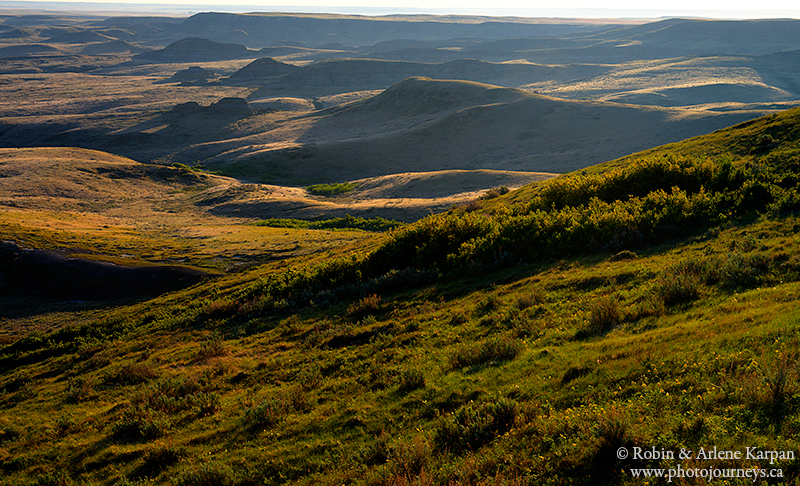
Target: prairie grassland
point(514, 346)
point(532, 375)
point(118, 209)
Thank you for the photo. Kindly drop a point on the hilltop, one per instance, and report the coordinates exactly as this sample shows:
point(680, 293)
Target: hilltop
point(524, 338)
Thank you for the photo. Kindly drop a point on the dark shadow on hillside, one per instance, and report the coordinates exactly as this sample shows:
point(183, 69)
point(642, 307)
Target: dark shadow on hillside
point(51, 276)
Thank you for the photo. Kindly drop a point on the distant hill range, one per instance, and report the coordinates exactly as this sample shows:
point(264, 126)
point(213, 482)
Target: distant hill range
point(260, 30)
point(538, 40)
point(419, 125)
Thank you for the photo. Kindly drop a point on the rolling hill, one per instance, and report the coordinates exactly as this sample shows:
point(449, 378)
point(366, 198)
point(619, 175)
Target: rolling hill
point(423, 125)
point(530, 338)
point(417, 125)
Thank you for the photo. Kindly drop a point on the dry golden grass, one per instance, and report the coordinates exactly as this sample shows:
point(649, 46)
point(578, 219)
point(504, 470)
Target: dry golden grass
point(56, 197)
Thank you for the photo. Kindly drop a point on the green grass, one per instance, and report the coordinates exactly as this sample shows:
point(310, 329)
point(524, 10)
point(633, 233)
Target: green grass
point(348, 222)
point(520, 393)
point(331, 189)
point(515, 347)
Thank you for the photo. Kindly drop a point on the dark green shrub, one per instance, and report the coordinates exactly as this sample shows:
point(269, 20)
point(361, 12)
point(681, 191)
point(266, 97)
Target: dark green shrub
point(612, 432)
point(8, 434)
point(331, 189)
point(574, 372)
point(79, 389)
point(219, 308)
point(159, 459)
point(605, 314)
point(376, 452)
point(743, 271)
point(624, 255)
point(474, 425)
point(204, 403)
point(680, 283)
point(488, 303)
point(54, 478)
point(348, 222)
point(459, 317)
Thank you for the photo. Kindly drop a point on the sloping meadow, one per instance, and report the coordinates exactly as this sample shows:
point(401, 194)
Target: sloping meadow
point(600, 327)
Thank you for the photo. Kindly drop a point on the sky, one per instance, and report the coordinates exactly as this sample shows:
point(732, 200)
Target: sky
point(526, 8)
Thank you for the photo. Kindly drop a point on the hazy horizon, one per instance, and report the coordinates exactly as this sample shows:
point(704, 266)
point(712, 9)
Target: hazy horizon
point(570, 9)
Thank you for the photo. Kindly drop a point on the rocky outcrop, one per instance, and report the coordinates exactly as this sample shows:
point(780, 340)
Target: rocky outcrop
point(188, 107)
point(232, 106)
point(193, 75)
point(225, 106)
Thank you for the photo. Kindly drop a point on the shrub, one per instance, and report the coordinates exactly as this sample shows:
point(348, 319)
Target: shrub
point(331, 189)
point(367, 306)
point(474, 425)
point(412, 379)
point(743, 271)
point(624, 255)
point(680, 283)
point(79, 389)
point(613, 432)
point(137, 422)
point(275, 408)
point(204, 403)
point(605, 314)
point(410, 458)
point(574, 372)
point(495, 192)
point(348, 222)
point(376, 452)
point(219, 308)
point(160, 458)
point(459, 317)
point(8, 434)
point(535, 297)
point(472, 206)
point(488, 303)
point(487, 352)
point(780, 387)
point(135, 373)
point(54, 478)
point(212, 347)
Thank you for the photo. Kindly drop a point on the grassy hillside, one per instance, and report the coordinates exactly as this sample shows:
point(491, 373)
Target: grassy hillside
point(524, 339)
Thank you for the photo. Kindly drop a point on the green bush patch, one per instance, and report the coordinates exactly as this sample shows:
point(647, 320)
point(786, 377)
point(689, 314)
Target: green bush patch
point(330, 189)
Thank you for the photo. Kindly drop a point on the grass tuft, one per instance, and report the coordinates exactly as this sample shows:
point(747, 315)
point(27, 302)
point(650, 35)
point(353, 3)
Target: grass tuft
point(489, 352)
